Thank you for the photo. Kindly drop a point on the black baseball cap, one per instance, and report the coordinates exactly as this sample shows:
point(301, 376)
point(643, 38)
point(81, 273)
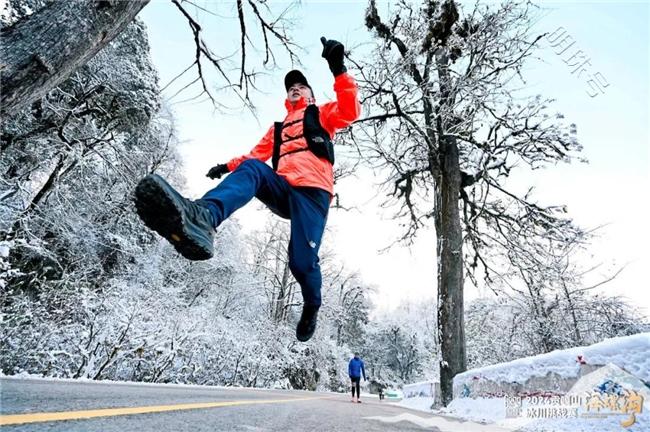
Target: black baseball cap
point(293, 77)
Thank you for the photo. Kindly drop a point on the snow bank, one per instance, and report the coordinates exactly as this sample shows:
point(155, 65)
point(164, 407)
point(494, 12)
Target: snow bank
point(416, 403)
point(609, 371)
point(631, 353)
point(592, 371)
point(484, 410)
point(492, 411)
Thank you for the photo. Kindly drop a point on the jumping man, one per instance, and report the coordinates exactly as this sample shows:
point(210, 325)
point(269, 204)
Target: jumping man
point(299, 186)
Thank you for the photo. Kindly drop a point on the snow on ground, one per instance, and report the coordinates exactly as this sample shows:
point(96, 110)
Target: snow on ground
point(488, 414)
point(609, 424)
point(631, 353)
point(626, 359)
point(492, 411)
point(484, 410)
point(416, 403)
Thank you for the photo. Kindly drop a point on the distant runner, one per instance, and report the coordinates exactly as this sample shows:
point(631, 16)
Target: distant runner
point(355, 370)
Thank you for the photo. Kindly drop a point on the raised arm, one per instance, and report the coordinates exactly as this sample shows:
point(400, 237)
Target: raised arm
point(346, 109)
point(262, 151)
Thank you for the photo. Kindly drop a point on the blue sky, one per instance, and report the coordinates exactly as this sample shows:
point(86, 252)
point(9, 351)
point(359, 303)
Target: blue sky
point(611, 189)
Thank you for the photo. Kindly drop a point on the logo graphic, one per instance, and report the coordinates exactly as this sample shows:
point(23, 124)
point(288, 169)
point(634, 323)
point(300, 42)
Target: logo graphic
point(607, 391)
point(611, 391)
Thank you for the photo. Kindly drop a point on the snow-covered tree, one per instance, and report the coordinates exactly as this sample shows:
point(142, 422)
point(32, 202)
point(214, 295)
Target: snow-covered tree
point(44, 41)
point(86, 291)
point(401, 346)
point(503, 329)
point(446, 125)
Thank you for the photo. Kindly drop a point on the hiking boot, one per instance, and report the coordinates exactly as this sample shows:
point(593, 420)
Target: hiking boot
point(307, 324)
point(185, 224)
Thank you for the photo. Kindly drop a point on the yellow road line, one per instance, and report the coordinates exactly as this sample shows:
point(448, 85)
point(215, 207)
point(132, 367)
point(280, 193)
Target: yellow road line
point(15, 419)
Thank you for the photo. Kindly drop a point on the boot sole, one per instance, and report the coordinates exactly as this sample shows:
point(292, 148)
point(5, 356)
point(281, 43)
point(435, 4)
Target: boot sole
point(159, 212)
point(304, 338)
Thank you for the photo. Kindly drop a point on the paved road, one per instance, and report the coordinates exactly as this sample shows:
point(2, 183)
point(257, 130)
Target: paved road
point(191, 408)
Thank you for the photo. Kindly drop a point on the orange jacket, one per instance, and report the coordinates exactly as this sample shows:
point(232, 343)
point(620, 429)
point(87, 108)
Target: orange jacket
point(304, 168)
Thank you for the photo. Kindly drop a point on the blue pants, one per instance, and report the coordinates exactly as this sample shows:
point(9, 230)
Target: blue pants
point(306, 207)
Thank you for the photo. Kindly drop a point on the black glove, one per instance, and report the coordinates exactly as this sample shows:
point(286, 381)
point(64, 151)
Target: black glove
point(218, 171)
point(333, 52)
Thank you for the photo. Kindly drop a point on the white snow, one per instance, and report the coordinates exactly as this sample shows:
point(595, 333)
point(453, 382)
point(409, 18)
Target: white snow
point(417, 403)
point(631, 353)
point(442, 424)
point(490, 413)
point(487, 410)
point(623, 357)
point(492, 410)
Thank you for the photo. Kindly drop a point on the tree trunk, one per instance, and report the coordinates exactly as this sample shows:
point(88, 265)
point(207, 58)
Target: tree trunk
point(282, 299)
point(451, 333)
point(42, 50)
point(451, 326)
